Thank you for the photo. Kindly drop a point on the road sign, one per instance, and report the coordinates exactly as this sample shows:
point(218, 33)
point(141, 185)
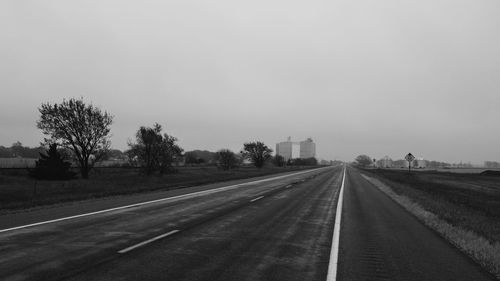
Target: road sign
point(409, 157)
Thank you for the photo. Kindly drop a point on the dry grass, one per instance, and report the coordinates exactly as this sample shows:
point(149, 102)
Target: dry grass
point(485, 251)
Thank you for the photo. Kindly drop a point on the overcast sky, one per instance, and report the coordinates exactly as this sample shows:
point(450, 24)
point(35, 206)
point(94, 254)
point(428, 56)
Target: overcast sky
point(357, 76)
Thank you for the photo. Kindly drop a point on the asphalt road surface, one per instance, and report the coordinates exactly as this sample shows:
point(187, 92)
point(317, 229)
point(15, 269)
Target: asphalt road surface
point(270, 229)
point(379, 240)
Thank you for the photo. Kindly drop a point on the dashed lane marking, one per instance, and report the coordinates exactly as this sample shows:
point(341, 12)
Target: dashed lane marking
point(147, 241)
point(258, 198)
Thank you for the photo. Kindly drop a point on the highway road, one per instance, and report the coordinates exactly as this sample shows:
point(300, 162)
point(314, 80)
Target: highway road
point(272, 228)
point(267, 230)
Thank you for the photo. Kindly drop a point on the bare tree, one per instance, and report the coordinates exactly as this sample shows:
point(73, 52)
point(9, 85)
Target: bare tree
point(154, 151)
point(169, 153)
point(257, 152)
point(82, 128)
point(226, 159)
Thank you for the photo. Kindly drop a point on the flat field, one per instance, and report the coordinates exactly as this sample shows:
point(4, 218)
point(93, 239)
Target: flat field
point(449, 170)
point(467, 170)
point(469, 203)
point(18, 190)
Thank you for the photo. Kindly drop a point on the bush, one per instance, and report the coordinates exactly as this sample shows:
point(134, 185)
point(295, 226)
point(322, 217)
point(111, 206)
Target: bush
point(52, 166)
point(226, 159)
point(279, 161)
point(303, 162)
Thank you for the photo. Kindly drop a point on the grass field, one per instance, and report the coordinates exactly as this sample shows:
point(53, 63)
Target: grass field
point(449, 170)
point(18, 190)
point(466, 208)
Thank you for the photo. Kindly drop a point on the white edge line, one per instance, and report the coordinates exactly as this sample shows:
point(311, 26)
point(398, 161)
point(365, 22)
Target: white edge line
point(194, 194)
point(258, 198)
point(147, 241)
point(334, 253)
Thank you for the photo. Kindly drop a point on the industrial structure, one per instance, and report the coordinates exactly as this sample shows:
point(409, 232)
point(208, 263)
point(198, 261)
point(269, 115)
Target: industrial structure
point(307, 149)
point(385, 162)
point(420, 163)
point(287, 149)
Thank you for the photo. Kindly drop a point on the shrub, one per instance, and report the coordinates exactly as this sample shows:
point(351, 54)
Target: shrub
point(52, 166)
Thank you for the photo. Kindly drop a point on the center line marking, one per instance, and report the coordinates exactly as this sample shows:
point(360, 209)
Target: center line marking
point(258, 198)
point(334, 254)
point(147, 241)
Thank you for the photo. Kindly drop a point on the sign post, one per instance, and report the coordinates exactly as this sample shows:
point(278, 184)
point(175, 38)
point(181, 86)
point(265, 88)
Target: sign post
point(409, 157)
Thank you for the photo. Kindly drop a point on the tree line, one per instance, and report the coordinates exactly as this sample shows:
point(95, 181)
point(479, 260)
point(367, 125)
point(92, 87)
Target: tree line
point(365, 161)
point(17, 149)
point(80, 132)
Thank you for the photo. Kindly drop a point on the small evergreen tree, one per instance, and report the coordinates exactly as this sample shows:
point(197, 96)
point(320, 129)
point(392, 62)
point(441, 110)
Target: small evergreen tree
point(52, 166)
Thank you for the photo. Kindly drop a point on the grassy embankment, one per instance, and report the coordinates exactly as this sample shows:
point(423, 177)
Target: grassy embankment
point(18, 190)
point(463, 208)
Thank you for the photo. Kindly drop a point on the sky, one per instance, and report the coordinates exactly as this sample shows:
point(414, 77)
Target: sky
point(359, 77)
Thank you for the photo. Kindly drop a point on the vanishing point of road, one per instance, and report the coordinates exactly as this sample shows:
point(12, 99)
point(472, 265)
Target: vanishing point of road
point(278, 227)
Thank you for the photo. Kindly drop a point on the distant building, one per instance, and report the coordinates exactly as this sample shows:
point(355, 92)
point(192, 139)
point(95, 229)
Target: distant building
point(287, 149)
point(420, 163)
point(307, 149)
point(385, 162)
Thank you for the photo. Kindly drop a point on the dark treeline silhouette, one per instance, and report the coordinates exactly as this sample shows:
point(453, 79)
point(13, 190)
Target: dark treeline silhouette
point(302, 162)
point(18, 150)
point(199, 157)
point(491, 164)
